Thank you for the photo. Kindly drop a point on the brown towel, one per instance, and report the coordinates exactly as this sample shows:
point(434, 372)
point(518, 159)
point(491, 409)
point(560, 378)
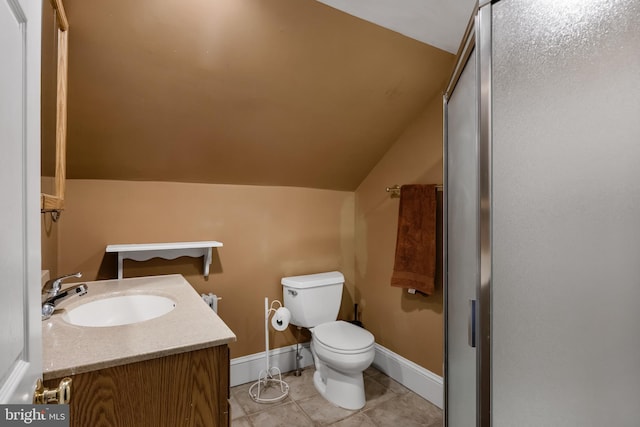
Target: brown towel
point(415, 264)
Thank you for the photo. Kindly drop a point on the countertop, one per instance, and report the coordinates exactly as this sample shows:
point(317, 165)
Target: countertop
point(191, 325)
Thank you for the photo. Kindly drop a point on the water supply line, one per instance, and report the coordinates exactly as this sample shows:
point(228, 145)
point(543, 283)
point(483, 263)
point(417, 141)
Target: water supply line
point(297, 373)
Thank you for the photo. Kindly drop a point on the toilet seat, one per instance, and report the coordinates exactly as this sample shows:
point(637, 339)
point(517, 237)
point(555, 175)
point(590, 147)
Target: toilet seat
point(344, 338)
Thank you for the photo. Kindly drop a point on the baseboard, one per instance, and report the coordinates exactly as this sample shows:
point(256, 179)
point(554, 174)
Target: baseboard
point(416, 378)
point(246, 369)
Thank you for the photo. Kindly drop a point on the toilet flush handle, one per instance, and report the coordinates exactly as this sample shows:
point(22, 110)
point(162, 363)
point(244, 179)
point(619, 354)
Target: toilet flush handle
point(292, 292)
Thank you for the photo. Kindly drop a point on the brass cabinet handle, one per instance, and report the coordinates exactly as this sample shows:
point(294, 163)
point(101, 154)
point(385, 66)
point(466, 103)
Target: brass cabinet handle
point(61, 395)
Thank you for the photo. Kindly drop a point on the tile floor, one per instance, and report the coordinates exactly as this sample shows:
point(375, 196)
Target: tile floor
point(388, 404)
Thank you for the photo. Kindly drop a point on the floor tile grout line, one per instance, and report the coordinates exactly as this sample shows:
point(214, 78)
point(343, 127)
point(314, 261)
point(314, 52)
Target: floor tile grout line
point(248, 414)
point(376, 377)
point(356, 412)
point(304, 412)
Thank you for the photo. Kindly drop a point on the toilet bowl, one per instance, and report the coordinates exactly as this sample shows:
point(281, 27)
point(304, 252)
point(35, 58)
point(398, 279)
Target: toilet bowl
point(341, 353)
point(341, 350)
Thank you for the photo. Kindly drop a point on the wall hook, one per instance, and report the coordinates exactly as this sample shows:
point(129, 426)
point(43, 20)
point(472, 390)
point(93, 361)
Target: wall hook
point(55, 213)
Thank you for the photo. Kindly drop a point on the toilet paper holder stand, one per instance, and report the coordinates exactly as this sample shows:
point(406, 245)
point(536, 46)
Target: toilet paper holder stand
point(271, 375)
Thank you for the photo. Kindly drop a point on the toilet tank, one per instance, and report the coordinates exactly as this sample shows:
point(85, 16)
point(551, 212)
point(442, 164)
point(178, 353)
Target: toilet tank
point(313, 299)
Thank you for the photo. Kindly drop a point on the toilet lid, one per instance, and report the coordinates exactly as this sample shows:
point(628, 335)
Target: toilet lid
point(343, 336)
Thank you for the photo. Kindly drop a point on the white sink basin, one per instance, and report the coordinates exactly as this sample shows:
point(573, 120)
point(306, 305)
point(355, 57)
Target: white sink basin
point(119, 310)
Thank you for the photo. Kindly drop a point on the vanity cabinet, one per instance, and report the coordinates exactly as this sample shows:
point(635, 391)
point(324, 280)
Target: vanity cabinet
point(172, 370)
point(185, 389)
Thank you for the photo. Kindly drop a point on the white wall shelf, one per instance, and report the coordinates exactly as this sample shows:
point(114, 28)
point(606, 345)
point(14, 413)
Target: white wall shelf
point(146, 251)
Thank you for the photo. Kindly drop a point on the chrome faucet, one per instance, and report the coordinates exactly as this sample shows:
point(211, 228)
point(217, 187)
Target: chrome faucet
point(52, 293)
point(52, 287)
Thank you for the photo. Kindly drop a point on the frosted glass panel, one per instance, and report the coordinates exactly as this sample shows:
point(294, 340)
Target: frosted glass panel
point(462, 245)
point(566, 213)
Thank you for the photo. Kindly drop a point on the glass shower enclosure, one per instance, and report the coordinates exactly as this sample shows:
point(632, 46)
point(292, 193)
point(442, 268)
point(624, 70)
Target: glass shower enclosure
point(542, 216)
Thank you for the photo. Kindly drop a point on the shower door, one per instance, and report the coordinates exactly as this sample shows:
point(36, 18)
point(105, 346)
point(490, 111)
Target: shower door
point(461, 201)
point(542, 199)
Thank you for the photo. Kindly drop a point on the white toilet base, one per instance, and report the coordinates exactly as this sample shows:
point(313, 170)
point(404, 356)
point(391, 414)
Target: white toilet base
point(346, 391)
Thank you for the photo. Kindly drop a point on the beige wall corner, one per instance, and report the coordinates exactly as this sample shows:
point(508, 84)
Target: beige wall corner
point(410, 325)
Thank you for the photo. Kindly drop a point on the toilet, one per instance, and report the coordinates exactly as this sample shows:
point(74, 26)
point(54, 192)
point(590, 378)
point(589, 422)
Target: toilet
point(341, 351)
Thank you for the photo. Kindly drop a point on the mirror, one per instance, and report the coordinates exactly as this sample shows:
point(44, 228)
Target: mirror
point(53, 105)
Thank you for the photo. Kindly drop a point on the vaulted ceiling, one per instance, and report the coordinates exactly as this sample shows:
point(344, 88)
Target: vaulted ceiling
point(267, 92)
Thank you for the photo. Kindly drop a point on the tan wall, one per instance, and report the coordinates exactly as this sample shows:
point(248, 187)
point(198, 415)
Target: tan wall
point(267, 232)
point(48, 234)
point(410, 325)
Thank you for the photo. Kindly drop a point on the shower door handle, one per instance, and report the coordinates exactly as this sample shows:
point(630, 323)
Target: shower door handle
point(472, 322)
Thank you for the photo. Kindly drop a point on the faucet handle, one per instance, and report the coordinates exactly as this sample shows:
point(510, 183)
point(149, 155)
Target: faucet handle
point(47, 310)
point(55, 284)
point(49, 304)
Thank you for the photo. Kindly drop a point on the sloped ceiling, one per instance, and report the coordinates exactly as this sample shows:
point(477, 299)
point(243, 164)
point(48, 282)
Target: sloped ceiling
point(267, 92)
point(440, 23)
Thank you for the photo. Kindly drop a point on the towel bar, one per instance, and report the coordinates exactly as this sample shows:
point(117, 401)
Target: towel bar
point(395, 190)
